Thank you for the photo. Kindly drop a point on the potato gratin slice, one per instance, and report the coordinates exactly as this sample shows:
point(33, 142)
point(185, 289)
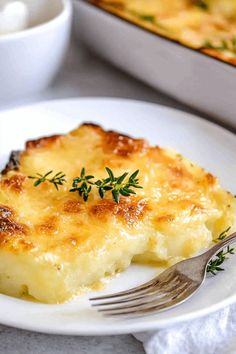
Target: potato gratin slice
point(53, 242)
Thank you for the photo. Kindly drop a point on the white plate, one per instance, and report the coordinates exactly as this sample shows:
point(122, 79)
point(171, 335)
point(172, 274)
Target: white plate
point(207, 144)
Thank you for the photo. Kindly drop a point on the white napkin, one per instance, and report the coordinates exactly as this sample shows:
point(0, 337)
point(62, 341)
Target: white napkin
point(211, 334)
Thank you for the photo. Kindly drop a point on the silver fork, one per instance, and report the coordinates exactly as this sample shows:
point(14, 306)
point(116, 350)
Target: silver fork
point(170, 288)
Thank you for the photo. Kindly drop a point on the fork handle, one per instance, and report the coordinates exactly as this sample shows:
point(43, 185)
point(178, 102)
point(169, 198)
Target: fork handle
point(219, 246)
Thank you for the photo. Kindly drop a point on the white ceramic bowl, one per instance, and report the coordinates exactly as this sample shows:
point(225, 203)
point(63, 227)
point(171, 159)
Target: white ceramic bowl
point(29, 59)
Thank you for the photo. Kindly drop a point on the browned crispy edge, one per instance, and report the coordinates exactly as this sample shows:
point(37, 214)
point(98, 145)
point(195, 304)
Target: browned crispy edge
point(13, 163)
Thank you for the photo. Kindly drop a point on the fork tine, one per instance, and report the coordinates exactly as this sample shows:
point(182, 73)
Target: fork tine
point(128, 299)
point(143, 311)
point(146, 301)
point(138, 289)
point(133, 303)
point(126, 292)
point(159, 290)
point(150, 308)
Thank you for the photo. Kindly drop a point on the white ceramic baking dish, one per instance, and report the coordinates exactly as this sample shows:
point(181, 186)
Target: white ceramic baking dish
point(196, 79)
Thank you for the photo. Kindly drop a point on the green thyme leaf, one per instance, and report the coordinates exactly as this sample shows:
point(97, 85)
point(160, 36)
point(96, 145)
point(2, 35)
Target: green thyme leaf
point(224, 45)
point(224, 234)
point(148, 18)
point(117, 185)
point(82, 184)
point(214, 265)
point(110, 173)
point(57, 180)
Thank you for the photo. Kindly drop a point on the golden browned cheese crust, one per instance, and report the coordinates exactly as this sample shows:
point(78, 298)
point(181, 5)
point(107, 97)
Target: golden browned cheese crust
point(53, 242)
point(206, 25)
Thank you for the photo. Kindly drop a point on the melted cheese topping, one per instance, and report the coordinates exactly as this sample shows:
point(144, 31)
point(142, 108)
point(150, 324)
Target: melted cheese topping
point(52, 242)
point(195, 23)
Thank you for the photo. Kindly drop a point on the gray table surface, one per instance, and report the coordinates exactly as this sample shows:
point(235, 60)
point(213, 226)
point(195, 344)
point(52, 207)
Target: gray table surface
point(83, 74)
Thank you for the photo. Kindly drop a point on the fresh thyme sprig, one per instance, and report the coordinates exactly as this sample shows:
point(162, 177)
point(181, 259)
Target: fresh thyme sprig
point(82, 184)
point(223, 234)
point(57, 180)
point(117, 185)
point(224, 45)
point(214, 265)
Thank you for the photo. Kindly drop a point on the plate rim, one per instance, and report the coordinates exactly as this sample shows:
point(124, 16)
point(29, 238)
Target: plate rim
point(123, 328)
point(151, 325)
point(207, 120)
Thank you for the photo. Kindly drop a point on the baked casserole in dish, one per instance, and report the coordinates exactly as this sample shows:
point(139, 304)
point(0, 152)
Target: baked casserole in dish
point(206, 25)
point(184, 48)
